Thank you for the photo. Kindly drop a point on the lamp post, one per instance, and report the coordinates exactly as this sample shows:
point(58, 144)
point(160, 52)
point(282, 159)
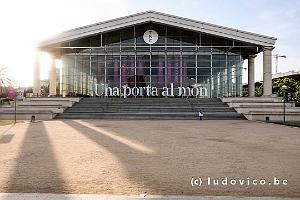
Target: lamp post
point(284, 87)
point(276, 58)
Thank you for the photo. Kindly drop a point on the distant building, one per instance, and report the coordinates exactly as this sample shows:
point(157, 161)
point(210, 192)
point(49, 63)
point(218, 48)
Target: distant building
point(290, 74)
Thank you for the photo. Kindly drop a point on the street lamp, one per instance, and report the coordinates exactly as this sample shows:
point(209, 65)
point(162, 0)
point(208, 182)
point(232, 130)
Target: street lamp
point(276, 57)
point(284, 87)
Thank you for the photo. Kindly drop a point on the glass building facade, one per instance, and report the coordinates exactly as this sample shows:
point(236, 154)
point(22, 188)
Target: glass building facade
point(179, 56)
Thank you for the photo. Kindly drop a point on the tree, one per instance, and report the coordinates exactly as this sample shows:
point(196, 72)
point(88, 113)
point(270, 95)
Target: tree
point(293, 87)
point(289, 82)
point(296, 97)
point(259, 91)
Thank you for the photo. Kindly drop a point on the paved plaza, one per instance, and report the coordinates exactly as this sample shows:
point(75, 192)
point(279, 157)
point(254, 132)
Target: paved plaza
point(150, 158)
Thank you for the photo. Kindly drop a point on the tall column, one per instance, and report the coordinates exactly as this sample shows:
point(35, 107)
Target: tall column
point(37, 76)
point(161, 78)
point(251, 75)
point(116, 73)
point(267, 67)
point(52, 78)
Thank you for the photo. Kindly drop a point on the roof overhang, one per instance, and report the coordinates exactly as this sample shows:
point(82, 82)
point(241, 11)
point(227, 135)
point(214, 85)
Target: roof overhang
point(162, 18)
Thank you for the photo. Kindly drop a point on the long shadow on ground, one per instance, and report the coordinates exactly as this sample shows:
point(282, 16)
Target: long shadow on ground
point(36, 169)
point(157, 172)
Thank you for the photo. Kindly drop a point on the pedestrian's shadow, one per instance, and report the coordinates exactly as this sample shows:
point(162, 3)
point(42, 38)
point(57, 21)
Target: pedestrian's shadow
point(36, 169)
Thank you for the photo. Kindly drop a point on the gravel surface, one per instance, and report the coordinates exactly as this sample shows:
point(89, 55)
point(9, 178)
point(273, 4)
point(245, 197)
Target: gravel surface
point(149, 157)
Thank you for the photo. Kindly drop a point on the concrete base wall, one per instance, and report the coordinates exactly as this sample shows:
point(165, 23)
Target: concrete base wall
point(42, 108)
point(275, 117)
point(31, 109)
point(74, 99)
point(274, 109)
point(259, 104)
point(38, 103)
point(259, 108)
point(27, 116)
point(251, 99)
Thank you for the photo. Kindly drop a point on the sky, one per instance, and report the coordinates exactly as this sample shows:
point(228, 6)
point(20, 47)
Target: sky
point(23, 24)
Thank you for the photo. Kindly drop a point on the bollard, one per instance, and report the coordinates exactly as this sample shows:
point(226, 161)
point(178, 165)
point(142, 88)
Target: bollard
point(267, 119)
point(32, 118)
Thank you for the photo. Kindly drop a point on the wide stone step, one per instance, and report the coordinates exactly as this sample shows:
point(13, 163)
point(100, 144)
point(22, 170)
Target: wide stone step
point(136, 111)
point(158, 99)
point(169, 116)
point(150, 100)
point(150, 104)
point(149, 108)
point(141, 101)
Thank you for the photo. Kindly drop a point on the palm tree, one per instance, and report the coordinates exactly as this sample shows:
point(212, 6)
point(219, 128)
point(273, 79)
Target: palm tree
point(4, 78)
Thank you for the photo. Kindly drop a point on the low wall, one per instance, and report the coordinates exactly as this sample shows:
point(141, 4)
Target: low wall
point(43, 108)
point(53, 99)
point(38, 103)
point(251, 99)
point(280, 109)
point(59, 101)
point(32, 109)
point(20, 115)
point(258, 104)
point(275, 117)
point(260, 108)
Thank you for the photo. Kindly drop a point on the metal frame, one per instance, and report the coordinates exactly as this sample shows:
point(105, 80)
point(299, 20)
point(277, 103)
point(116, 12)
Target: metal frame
point(181, 53)
point(162, 18)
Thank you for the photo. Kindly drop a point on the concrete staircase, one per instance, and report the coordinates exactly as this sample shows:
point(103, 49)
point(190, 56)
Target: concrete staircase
point(149, 108)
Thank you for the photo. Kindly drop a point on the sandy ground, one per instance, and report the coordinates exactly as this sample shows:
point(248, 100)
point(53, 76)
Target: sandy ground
point(6, 122)
point(157, 157)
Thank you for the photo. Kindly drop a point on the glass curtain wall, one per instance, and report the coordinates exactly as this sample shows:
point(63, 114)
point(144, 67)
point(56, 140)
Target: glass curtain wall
point(122, 57)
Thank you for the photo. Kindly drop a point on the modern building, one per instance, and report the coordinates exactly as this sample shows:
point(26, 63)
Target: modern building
point(156, 50)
